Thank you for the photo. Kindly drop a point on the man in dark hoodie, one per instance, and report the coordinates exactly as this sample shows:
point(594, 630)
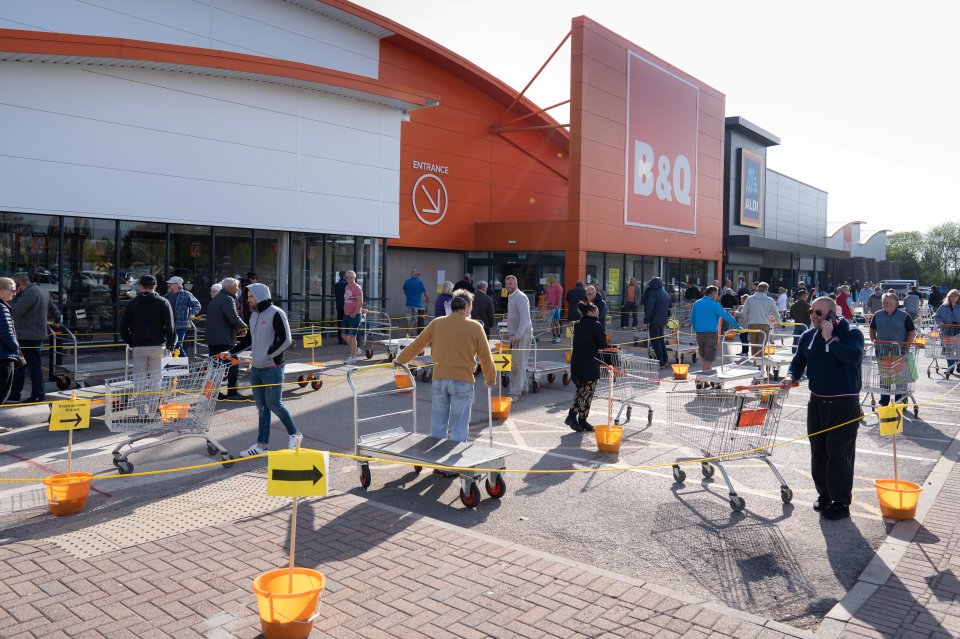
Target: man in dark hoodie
point(147, 327)
point(656, 310)
point(268, 337)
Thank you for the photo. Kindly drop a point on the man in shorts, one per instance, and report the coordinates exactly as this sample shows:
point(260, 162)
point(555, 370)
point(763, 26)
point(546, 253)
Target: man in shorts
point(705, 317)
point(554, 295)
point(352, 310)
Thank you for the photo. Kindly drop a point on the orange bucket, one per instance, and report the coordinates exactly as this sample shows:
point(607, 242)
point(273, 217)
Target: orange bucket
point(500, 407)
point(608, 438)
point(769, 350)
point(680, 370)
point(567, 356)
point(67, 492)
point(285, 614)
point(402, 381)
point(730, 334)
point(898, 500)
point(170, 412)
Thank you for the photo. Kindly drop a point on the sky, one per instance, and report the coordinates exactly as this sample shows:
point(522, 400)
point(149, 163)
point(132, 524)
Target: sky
point(859, 93)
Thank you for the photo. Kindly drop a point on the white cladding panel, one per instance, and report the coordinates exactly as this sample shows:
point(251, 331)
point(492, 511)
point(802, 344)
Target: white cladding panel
point(153, 145)
point(270, 28)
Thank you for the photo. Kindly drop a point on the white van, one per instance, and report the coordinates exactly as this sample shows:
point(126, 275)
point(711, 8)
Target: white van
point(901, 287)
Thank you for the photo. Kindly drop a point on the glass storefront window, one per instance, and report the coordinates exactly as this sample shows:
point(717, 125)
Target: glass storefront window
point(143, 251)
point(31, 244)
point(190, 257)
point(233, 253)
point(370, 276)
point(594, 268)
point(306, 279)
point(91, 280)
point(341, 256)
point(269, 251)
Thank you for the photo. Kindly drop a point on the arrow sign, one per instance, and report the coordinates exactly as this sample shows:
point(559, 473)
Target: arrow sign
point(174, 366)
point(312, 341)
point(70, 415)
point(297, 473)
point(502, 361)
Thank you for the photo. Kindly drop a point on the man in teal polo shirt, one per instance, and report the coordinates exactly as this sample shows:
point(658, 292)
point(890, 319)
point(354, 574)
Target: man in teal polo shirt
point(705, 317)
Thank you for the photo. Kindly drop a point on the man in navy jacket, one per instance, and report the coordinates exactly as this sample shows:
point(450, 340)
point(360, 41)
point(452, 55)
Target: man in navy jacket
point(831, 352)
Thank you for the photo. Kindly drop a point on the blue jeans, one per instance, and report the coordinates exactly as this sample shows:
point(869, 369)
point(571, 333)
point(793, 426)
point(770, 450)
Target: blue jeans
point(181, 334)
point(452, 402)
point(797, 332)
point(270, 399)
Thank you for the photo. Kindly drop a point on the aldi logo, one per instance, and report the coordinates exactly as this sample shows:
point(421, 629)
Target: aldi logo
point(661, 152)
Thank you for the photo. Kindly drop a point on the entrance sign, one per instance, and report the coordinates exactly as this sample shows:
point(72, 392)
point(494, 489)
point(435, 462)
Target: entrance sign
point(312, 341)
point(751, 189)
point(661, 151)
point(297, 473)
point(429, 199)
point(70, 415)
point(174, 366)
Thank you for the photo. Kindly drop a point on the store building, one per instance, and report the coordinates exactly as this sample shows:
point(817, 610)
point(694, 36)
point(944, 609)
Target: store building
point(298, 138)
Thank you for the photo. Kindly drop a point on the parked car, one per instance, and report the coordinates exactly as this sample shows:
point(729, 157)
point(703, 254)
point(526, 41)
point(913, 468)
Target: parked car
point(900, 287)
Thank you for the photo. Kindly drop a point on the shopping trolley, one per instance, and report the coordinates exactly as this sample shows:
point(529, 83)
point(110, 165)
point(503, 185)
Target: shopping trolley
point(375, 328)
point(166, 405)
point(943, 343)
point(889, 368)
point(740, 423)
point(626, 378)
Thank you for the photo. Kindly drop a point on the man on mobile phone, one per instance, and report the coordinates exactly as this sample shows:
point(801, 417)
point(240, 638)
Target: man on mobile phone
point(830, 352)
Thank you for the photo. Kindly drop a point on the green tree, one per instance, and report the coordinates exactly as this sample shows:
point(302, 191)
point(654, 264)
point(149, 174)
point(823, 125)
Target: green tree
point(906, 249)
point(940, 254)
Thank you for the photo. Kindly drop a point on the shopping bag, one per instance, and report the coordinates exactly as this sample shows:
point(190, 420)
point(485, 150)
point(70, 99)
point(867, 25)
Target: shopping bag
point(912, 365)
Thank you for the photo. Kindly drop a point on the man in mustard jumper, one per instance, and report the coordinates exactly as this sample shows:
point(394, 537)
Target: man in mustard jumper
point(456, 341)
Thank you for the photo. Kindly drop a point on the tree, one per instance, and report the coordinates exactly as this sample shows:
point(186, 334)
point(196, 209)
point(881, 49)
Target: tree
point(906, 249)
point(941, 254)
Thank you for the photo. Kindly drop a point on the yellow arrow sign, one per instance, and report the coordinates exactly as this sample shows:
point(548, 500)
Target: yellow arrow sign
point(70, 415)
point(569, 332)
point(502, 361)
point(312, 341)
point(292, 473)
point(891, 419)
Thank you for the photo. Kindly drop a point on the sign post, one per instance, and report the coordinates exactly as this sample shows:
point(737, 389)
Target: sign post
point(313, 341)
point(70, 415)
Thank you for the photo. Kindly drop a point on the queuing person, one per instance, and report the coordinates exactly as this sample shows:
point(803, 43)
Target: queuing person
point(912, 302)
point(729, 299)
point(874, 303)
point(656, 311)
point(741, 316)
point(760, 314)
point(31, 311)
point(352, 311)
point(594, 297)
point(456, 342)
point(482, 309)
point(800, 314)
point(782, 302)
point(465, 284)
point(935, 299)
point(441, 306)
point(742, 290)
point(705, 317)
point(845, 302)
point(574, 296)
point(223, 326)
point(147, 326)
point(215, 289)
point(520, 332)
point(830, 352)
point(948, 321)
point(245, 283)
point(865, 293)
point(185, 308)
point(554, 298)
point(588, 338)
point(692, 294)
point(631, 297)
point(269, 336)
point(416, 300)
point(339, 295)
point(10, 356)
point(890, 329)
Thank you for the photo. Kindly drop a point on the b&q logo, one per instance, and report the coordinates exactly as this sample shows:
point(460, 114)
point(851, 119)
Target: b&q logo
point(662, 130)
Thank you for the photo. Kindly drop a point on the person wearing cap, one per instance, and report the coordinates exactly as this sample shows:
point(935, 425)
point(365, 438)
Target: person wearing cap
point(416, 300)
point(269, 336)
point(215, 290)
point(185, 308)
point(147, 326)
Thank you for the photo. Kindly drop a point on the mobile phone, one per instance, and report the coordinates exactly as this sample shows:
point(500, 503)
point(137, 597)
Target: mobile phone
point(832, 317)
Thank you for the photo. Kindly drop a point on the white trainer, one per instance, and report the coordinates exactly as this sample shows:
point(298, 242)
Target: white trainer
point(253, 450)
point(295, 440)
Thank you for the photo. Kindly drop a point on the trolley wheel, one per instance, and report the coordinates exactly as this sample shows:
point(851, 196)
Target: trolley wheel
point(302, 382)
point(776, 374)
point(629, 411)
point(365, 476)
point(505, 380)
point(124, 467)
point(737, 503)
point(707, 470)
point(694, 357)
point(551, 378)
point(535, 387)
point(316, 383)
point(786, 494)
point(473, 498)
point(369, 353)
point(427, 376)
point(929, 376)
point(498, 489)
point(390, 356)
point(417, 469)
point(566, 379)
point(116, 462)
point(916, 411)
point(649, 416)
point(227, 460)
point(64, 382)
point(678, 475)
point(211, 449)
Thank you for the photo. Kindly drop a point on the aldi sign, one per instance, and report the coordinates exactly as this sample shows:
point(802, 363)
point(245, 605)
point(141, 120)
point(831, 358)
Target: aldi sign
point(661, 150)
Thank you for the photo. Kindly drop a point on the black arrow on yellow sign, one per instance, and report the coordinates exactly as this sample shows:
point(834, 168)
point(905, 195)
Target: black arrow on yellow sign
point(75, 421)
point(500, 360)
point(297, 475)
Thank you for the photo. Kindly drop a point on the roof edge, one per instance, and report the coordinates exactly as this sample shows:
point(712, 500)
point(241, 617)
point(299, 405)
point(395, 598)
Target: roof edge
point(745, 127)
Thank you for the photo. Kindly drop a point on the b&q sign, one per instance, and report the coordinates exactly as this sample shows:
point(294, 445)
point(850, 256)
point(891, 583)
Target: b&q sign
point(662, 129)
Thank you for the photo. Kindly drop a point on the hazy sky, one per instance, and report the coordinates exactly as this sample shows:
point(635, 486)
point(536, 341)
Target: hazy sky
point(859, 93)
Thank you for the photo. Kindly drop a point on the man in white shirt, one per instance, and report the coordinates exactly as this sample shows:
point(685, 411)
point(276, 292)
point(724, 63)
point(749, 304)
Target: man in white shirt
point(520, 332)
point(760, 314)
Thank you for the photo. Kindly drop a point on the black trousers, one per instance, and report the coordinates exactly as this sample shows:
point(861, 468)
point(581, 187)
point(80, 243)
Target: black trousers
point(628, 314)
point(33, 354)
point(216, 349)
point(6, 378)
point(832, 454)
point(657, 342)
point(340, 324)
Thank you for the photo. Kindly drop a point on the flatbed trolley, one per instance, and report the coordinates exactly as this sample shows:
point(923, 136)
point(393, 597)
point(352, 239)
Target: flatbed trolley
point(733, 423)
point(72, 372)
point(634, 377)
point(307, 373)
point(735, 368)
point(889, 368)
point(375, 328)
point(414, 448)
point(943, 343)
point(538, 369)
point(150, 405)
